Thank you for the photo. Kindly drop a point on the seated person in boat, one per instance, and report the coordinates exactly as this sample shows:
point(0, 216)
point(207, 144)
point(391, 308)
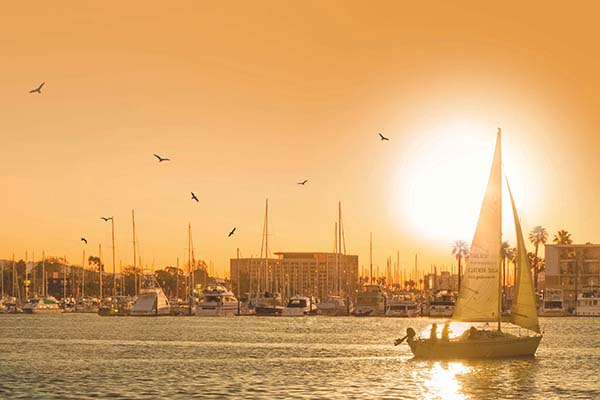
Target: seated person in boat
point(433, 334)
point(446, 331)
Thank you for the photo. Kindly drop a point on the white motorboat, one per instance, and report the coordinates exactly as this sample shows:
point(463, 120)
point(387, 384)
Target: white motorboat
point(588, 303)
point(372, 301)
point(42, 305)
point(300, 306)
point(216, 301)
point(151, 300)
point(403, 306)
point(335, 306)
point(552, 304)
point(442, 305)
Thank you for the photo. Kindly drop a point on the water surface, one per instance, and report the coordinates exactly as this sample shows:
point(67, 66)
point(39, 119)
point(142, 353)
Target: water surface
point(84, 356)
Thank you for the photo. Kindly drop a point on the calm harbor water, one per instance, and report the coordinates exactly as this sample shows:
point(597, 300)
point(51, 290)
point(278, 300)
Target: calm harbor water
point(81, 356)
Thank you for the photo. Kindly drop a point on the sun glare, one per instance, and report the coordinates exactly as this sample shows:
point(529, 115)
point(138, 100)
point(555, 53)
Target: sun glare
point(443, 180)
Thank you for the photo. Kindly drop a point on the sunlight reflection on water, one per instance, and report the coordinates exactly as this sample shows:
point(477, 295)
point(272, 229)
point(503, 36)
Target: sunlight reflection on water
point(440, 381)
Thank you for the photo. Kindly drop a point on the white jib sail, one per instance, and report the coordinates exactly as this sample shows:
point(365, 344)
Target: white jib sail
point(523, 311)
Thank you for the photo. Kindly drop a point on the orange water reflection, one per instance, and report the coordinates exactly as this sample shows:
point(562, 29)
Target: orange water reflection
point(440, 381)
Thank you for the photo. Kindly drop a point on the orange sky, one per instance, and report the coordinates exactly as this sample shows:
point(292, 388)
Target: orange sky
point(248, 98)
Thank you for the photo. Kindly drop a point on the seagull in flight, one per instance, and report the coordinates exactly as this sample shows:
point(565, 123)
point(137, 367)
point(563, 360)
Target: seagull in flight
point(232, 232)
point(303, 182)
point(38, 89)
point(194, 197)
point(383, 137)
point(84, 240)
point(161, 159)
point(106, 219)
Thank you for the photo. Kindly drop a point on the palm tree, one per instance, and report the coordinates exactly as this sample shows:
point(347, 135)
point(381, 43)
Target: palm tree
point(563, 237)
point(504, 252)
point(460, 250)
point(537, 236)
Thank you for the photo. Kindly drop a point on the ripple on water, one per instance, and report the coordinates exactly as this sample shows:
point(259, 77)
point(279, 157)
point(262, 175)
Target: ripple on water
point(79, 356)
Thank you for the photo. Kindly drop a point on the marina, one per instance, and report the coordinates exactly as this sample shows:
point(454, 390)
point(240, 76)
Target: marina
point(300, 200)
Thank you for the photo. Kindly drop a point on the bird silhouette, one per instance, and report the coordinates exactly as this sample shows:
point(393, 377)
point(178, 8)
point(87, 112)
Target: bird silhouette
point(383, 137)
point(161, 159)
point(194, 197)
point(106, 218)
point(232, 232)
point(38, 89)
point(84, 240)
point(303, 182)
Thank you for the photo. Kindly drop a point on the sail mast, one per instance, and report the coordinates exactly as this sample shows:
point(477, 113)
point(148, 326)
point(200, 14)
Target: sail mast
point(499, 149)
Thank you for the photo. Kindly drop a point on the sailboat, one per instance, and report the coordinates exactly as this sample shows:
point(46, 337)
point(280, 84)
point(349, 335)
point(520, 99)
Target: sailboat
point(480, 295)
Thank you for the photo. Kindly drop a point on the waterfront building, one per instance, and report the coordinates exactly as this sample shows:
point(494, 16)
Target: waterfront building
point(442, 281)
point(572, 268)
point(291, 273)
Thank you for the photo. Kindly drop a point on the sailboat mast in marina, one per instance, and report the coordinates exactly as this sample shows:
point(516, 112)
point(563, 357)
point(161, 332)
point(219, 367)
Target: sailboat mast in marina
point(480, 295)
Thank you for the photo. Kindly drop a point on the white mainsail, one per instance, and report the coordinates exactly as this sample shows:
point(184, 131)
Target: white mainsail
point(523, 311)
point(479, 296)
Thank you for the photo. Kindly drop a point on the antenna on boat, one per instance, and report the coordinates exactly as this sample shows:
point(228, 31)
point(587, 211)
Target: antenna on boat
point(264, 246)
point(370, 258)
point(112, 228)
point(83, 275)
point(100, 270)
point(44, 281)
point(339, 249)
point(135, 274)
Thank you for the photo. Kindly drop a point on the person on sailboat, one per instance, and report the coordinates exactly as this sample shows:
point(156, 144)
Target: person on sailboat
point(446, 331)
point(433, 334)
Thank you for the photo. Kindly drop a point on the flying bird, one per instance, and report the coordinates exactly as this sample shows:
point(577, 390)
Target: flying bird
point(303, 182)
point(194, 197)
point(84, 240)
point(106, 218)
point(161, 159)
point(232, 232)
point(38, 89)
point(383, 137)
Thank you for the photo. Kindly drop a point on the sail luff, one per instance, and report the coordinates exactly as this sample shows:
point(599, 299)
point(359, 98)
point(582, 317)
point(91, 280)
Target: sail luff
point(524, 305)
point(479, 296)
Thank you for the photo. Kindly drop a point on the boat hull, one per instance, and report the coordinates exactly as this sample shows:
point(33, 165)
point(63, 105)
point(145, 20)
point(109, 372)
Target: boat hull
point(402, 313)
point(552, 312)
point(216, 310)
point(503, 346)
point(42, 310)
point(268, 311)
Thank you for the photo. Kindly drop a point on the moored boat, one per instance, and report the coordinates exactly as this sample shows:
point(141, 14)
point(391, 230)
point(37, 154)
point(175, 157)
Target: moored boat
point(117, 306)
point(335, 306)
point(404, 306)
point(216, 301)
point(299, 306)
point(588, 303)
point(151, 301)
point(266, 304)
point(552, 304)
point(442, 305)
point(87, 305)
point(42, 305)
point(372, 301)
